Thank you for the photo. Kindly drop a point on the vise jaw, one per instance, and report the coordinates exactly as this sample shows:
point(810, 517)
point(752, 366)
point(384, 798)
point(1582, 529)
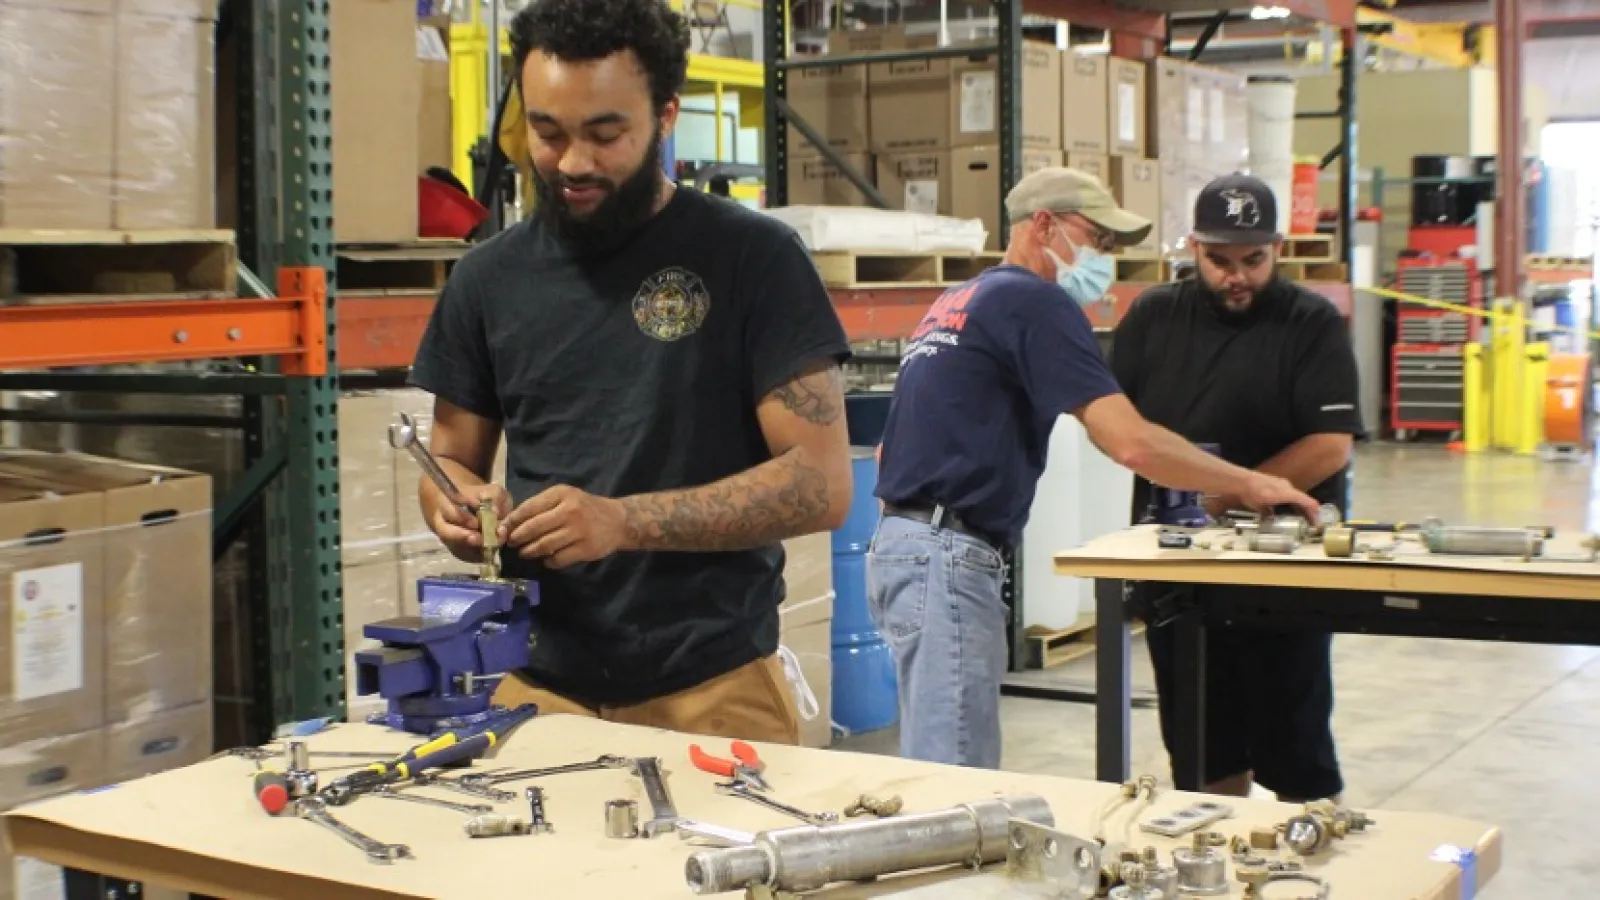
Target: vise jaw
point(438, 670)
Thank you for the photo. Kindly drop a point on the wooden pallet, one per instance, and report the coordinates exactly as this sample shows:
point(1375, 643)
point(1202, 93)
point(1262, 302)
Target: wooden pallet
point(58, 267)
point(1048, 648)
point(1307, 248)
point(1546, 262)
point(865, 270)
point(418, 265)
point(1300, 270)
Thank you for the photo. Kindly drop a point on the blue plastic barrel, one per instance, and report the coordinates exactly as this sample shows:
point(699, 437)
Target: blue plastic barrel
point(1566, 313)
point(865, 691)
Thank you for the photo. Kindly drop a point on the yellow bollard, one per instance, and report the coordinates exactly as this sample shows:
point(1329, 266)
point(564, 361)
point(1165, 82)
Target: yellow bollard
point(1474, 400)
point(1535, 371)
point(1505, 372)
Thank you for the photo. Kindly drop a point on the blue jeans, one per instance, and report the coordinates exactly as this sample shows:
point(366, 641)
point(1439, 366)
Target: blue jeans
point(935, 596)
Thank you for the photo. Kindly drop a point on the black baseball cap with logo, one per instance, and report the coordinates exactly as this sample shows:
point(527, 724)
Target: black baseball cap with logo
point(1236, 209)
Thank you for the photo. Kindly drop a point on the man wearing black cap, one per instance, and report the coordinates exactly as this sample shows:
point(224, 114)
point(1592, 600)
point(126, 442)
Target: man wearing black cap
point(1242, 358)
point(992, 367)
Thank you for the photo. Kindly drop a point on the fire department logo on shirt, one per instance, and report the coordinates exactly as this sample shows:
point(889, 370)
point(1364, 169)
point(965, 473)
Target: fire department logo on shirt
point(671, 304)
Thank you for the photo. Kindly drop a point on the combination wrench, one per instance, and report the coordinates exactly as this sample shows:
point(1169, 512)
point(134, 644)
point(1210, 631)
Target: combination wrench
point(739, 789)
point(501, 776)
point(314, 809)
point(483, 792)
point(403, 436)
point(663, 815)
point(390, 793)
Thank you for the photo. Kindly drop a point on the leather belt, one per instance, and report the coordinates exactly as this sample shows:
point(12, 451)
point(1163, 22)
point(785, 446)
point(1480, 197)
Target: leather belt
point(941, 517)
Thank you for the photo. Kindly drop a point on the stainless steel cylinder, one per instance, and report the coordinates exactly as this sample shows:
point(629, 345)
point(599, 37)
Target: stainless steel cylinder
point(622, 819)
point(1472, 540)
point(807, 857)
point(1204, 873)
point(1272, 543)
point(297, 756)
point(1288, 526)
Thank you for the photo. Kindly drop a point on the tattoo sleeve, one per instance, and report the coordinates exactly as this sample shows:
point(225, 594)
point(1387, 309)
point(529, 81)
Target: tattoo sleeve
point(765, 504)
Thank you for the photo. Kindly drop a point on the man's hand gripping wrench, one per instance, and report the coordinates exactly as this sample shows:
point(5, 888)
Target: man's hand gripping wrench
point(316, 810)
point(403, 436)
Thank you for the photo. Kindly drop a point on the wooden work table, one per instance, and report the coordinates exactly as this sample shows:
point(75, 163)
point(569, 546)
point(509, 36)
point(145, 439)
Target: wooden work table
point(198, 829)
point(1415, 594)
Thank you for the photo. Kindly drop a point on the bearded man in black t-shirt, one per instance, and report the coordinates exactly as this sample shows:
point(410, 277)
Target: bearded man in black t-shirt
point(664, 366)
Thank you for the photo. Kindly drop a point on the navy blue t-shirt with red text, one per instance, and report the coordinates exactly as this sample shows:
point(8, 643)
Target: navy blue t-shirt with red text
point(986, 374)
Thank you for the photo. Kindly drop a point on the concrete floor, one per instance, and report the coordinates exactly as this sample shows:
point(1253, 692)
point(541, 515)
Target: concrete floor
point(1505, 734)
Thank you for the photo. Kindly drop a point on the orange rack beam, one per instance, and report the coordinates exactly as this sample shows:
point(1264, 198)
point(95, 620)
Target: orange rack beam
point(379, 331)
point(292, 326)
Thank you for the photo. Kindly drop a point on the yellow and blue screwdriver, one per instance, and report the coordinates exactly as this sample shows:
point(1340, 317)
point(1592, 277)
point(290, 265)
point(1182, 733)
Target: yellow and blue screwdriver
point(453, 746)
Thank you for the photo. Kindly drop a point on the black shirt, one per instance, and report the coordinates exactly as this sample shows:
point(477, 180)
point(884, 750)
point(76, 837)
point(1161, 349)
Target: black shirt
point(1254, 384)
point(637, 373)
point(994, 363)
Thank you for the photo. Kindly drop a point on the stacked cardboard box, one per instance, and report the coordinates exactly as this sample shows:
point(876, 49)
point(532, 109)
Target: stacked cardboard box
point(1199, 128)
point(108, 114)
point(105, 595)
point(807, 629)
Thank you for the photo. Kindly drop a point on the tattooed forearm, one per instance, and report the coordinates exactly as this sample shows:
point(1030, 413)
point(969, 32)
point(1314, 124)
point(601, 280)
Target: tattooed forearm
point(817, 397)
point(773, 501)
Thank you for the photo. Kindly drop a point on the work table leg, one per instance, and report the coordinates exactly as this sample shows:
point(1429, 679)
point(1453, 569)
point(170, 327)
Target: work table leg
point(1113, 682)
point(1189, 704)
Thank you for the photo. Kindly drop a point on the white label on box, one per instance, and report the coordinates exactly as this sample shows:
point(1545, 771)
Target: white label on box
point(37, 880)
point(1197, 116)
point(922, 196)
point(1127, 100)
point(47, 631)
point(977, 102)
point(1219, 121)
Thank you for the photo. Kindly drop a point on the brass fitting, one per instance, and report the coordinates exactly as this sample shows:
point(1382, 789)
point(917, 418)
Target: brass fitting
point(1264, 838)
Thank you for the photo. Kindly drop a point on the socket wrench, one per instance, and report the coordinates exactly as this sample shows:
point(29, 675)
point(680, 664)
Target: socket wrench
point(403, 436)
point(740, 789)
point(663, 815)
point(314, 809)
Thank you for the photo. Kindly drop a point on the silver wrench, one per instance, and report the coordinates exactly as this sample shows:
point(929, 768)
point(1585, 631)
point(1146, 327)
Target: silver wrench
point(715, 835)
point(392, 794)
point(493, 795)
point(403, 436)
point(500, 776)
point(663, 815)
point(740, 789)
point(316, 810)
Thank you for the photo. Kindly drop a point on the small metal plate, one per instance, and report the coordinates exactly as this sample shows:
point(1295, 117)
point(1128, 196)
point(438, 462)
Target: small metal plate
point(1190, 818)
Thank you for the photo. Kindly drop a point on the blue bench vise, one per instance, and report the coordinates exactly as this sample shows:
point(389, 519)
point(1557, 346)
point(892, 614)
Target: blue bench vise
point(1179, 509)
point(438, 670)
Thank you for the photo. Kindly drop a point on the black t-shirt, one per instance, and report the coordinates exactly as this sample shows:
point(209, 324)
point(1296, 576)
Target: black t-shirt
point(992, 366)
point(636, 373)
point(1253, 385)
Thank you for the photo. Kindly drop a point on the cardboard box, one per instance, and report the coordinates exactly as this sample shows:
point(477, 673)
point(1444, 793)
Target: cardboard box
point(910, 105)
point(36, 769)
point(165, 134)
point(832, 101)
point(974, 99)
point(1125, 100)
point(52, 609)
point(976, 190)
point(1169, 108)
point(435, 127)
point(916, 182)
point(1136, 184)
point(169, 740)
point(1084, 108)
point(376, 87)
point(816, 182)
point(1096, 164)
point(812, 645)
point(157, 576)
point(57, 113)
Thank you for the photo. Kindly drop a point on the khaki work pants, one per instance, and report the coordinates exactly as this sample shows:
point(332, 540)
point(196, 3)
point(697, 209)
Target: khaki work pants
point(753, 703)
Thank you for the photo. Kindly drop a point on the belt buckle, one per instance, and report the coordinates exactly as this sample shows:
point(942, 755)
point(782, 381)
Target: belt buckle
point(937, 519)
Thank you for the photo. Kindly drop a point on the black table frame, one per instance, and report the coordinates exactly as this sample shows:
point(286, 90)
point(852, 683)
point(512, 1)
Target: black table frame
point(1528, 620)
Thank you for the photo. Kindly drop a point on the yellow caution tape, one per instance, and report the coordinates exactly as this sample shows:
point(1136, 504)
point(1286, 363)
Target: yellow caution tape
point(1469, 310)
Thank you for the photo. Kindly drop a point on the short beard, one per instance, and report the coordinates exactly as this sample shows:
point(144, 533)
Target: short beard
point(626, 207)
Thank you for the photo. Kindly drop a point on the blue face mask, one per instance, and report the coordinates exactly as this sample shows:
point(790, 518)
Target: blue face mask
point(1089, 278)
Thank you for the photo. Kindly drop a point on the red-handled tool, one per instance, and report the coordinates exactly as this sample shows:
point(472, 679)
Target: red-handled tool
point(271, 790)
point(746, 765)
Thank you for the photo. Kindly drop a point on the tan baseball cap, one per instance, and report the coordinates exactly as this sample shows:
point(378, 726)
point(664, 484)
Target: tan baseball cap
point(1062, 190)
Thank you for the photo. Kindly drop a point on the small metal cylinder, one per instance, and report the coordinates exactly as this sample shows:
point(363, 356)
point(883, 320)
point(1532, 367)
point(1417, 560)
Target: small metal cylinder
point(1204, 873)
point(297, 756)
point(1288, 526)
point(622, 819)
point(1339, 541)
point(494, 825)
point(1272, 543)
point(1264, 838)
point(1475, 541)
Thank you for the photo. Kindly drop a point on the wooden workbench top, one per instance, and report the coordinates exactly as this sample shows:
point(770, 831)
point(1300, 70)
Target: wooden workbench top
point(1133, 554)
point(198, 829)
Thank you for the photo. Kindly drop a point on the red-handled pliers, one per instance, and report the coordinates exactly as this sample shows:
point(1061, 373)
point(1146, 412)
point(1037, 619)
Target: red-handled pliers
point(746, 765)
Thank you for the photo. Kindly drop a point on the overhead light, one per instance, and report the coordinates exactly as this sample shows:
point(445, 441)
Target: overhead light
point(1269, 12)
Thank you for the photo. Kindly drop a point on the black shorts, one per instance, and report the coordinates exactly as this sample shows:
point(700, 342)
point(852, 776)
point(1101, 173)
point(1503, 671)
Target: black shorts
point(1269, 704)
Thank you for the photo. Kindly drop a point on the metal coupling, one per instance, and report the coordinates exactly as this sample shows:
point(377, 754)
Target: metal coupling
point(622, 819)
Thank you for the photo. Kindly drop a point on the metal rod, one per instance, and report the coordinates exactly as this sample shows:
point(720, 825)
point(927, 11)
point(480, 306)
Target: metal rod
point(1349, 186)
point(1320, 114)
point(775, 136)
point(860, 181)
point(828, 62)
point(1510, 238)
point(117, 417)
point(175, 383)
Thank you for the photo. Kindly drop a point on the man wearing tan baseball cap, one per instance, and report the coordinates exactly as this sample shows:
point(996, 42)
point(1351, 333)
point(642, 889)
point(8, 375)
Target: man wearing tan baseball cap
point(992, 366)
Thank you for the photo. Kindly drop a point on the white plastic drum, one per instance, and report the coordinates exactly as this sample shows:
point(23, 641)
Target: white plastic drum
point(1272, 139)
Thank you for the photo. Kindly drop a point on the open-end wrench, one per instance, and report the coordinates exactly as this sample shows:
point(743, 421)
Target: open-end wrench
point(392, 794)
point(500, 776)
point(740, 789)
point(663, 815)
point(314, 809)
point(403, 436)
point(484, 792)
point(715, 835)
